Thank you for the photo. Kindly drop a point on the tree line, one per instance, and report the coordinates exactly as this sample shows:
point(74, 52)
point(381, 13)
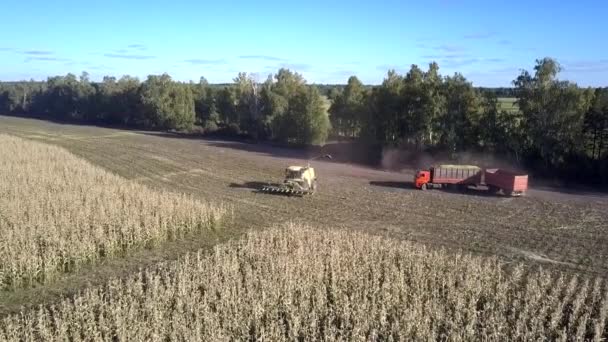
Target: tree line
point(283, 108)
point(558, 128)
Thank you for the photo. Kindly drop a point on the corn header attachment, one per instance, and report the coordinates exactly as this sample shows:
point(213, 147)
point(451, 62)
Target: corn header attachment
point(287, 190)
point(299, 181)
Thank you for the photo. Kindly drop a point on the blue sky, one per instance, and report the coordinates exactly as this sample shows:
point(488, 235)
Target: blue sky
point(327, 41)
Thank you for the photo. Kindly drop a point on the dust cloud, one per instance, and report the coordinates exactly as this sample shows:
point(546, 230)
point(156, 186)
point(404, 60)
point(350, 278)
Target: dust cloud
point(404, 159)
point(399, 159)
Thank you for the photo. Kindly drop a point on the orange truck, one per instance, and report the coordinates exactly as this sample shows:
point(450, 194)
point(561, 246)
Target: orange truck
point(463, 176)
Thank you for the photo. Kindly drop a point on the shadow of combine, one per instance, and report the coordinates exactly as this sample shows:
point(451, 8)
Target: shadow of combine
point(251, 185)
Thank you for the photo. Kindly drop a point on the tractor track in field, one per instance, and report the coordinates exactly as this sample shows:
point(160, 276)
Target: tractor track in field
point(566, 231)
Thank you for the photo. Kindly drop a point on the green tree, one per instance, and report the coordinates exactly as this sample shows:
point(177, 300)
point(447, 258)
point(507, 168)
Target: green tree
point(333, 93)
point(307, 118)
point(460, 121)
point(5, 104)
point(348, 108)
point(86, 95)
point(553, 112)
point(411, 122)
point(128, 100)
point(68, 97)
point(272, 105)
point(248, 109)
point(18, 97)
point(167, 104)
point(433, 107)
point(204, 103)
point(277, 95)
point(500, 131)
point(381, 126)
point(406, 109)
point(226, 106)
point(107, 110)
point(596, 125)
point(292, 111)
point(118, 101)
point(491, 132)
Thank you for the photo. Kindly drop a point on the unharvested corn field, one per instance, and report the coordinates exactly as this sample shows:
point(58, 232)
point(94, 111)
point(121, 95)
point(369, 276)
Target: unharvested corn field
point(297, 283)
point(58, 212)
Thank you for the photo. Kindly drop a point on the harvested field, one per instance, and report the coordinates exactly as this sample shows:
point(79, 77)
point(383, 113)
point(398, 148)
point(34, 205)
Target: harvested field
point(58, 212)
point(297, 283)
point(508, 104)
point(556, 229)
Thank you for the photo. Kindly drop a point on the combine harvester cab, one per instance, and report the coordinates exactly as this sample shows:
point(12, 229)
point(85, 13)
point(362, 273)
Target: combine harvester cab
point(462, 176)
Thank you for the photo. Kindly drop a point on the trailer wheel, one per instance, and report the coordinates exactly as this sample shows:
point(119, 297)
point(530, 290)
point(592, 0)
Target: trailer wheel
point(493, 189)
point(423, 187)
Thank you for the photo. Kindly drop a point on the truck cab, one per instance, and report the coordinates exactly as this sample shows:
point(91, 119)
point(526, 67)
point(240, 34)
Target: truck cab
point(421, 178)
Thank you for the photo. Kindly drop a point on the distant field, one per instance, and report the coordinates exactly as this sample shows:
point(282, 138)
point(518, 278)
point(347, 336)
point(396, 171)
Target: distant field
point(508, 103)
point(300, 284)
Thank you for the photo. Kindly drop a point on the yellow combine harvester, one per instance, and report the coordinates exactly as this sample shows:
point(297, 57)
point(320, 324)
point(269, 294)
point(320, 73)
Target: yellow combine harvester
point(299, 180)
